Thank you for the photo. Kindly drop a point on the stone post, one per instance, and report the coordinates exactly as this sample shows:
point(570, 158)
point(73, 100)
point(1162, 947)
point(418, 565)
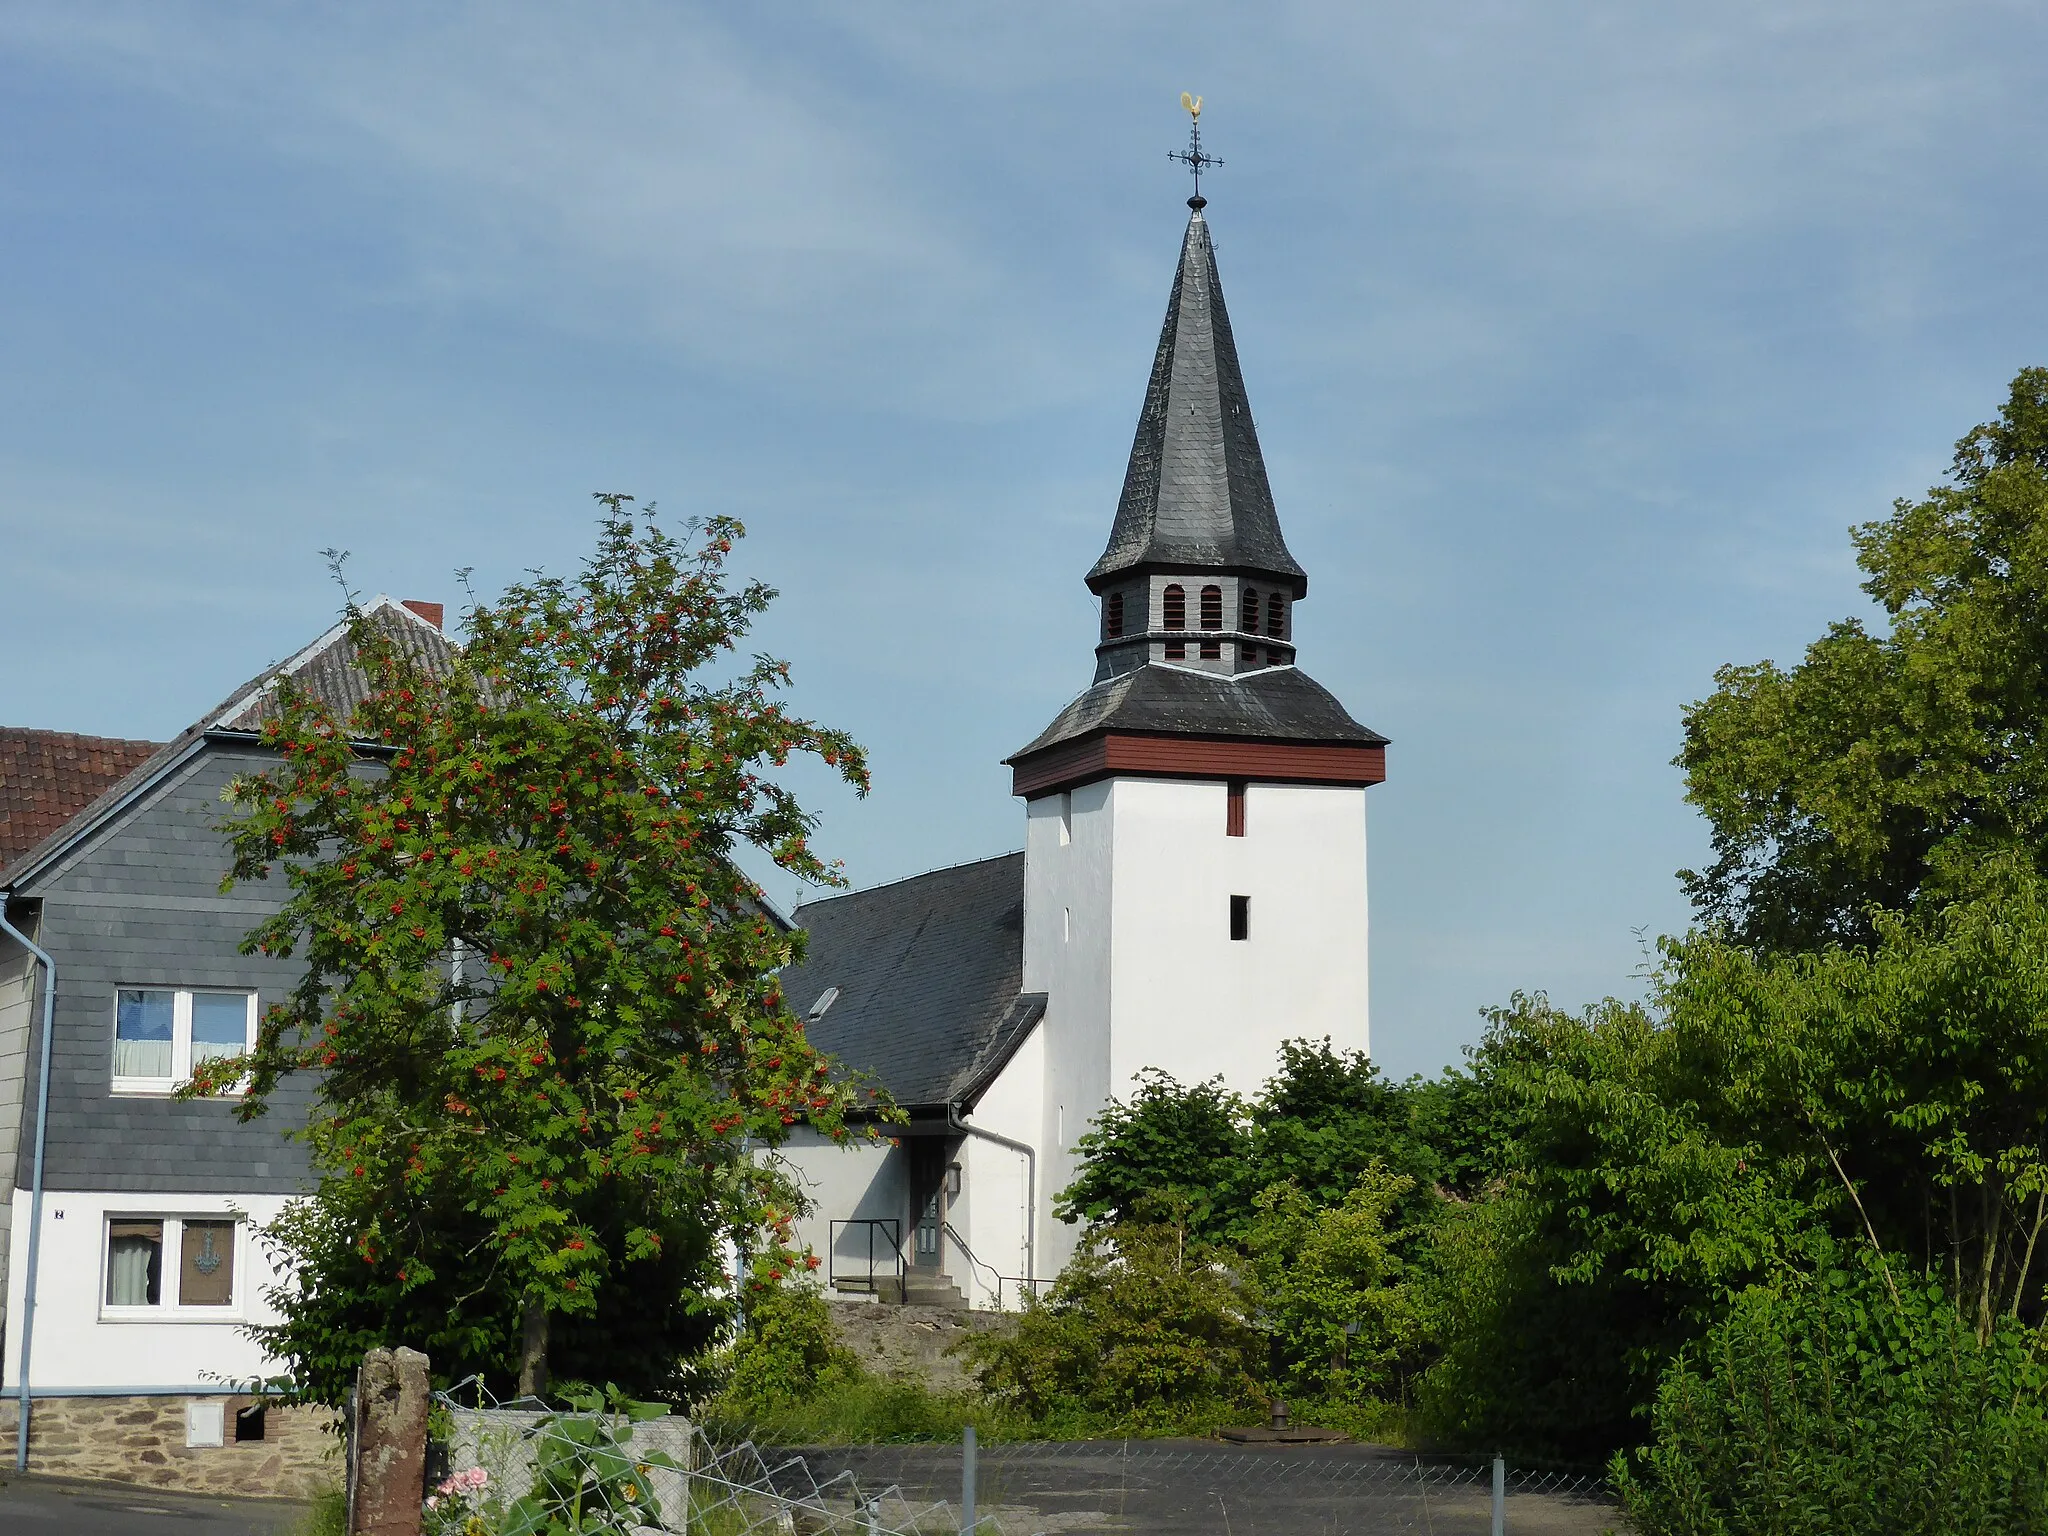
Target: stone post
point(391, 1443)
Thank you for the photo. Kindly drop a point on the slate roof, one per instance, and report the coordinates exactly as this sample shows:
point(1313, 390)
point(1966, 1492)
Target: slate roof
point(929, 972)
point(1195, 492)
point(1276, 704)
point(48, 777)
point(326, 667)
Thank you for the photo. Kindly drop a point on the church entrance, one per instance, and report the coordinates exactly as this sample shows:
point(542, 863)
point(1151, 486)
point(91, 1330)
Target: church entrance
point(930, 1173)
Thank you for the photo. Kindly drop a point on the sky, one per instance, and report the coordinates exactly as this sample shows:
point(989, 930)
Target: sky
point(1578, 336)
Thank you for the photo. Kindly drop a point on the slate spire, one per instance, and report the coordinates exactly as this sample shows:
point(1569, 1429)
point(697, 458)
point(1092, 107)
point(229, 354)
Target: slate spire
point(1195, 495)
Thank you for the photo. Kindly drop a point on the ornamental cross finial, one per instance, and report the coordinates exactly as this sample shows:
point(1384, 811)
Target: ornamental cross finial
point(1192, 157)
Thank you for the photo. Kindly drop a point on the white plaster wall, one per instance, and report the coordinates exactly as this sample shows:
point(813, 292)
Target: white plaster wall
point(854, 1179)
point(75, 1348)
point(19, 977)
point(1184, 995)
point(996, 1186)
point(1069, 857)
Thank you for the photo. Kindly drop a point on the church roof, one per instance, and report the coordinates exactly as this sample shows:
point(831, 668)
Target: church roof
point(1276, 704)
point(1195, 493)
point(928, 973)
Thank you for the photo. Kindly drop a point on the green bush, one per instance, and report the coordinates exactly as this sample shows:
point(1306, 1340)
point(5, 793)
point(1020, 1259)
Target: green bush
point(1342, 1324)
point(1146, 1329)
point(789, 1353)
point(1833, 1407)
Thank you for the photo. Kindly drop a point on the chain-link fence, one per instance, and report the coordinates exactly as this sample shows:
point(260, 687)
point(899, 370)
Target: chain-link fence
point(509, 1466)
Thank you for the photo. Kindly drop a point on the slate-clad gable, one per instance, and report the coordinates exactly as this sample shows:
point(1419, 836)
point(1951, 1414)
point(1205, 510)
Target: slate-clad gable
point(141, 906)
point(929, 972)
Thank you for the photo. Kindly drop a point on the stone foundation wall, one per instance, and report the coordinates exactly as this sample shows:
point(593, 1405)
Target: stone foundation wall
point(913, 1342)
point(142, 1440)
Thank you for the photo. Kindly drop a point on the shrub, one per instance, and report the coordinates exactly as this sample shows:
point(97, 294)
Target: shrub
point(789, 1352)
point(1341, 1320)
point(1832, 1405)
point(1145, 1329)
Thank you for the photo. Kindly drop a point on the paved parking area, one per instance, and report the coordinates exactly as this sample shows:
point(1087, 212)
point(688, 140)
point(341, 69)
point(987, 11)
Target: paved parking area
point(40, 1506)
point(1199, 1487)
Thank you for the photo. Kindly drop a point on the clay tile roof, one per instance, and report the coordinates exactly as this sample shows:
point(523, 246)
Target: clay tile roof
point(48, 777)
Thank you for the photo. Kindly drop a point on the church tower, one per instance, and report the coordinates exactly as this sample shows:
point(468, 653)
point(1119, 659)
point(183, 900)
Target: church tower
point(1195, 838)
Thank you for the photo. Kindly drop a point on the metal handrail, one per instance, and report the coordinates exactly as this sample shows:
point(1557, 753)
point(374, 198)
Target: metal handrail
point(890, 1229)
point(1001, 1279)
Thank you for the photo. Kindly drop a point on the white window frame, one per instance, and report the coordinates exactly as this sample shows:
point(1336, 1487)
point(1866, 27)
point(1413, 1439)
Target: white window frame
point(172, 1268)
point(181, 1037)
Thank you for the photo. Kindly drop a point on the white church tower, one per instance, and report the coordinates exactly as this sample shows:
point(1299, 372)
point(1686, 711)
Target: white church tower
point(1194, 871)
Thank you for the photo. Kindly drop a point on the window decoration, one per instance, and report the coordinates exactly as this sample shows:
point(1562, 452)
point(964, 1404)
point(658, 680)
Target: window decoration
point(1176, 604)
point(198, 1251)
point(162, 1033)
point(1113, 615)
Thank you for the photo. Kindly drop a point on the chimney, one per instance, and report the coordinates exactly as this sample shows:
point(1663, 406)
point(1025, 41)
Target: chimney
point(431, 612)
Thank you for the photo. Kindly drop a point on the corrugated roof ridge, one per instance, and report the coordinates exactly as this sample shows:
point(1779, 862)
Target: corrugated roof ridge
point(246, 696)
point(924, 874)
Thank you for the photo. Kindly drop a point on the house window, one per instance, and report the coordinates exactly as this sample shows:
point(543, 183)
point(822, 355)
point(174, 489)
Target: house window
point(1176, 601)
point(1240, 917)
point(1113, 615)
point(1212, 618)
point(1276, 617)
point(171, 1264)
point(162, 1033)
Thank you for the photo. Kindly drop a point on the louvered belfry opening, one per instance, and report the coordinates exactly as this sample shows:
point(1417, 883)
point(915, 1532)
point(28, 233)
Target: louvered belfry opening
point(1212, 619)
point(1248, 621)
point(1113, 616)
point(1176, 617)
point(1276, 617)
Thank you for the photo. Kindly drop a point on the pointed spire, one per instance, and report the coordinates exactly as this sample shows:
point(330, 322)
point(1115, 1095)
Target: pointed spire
point(1195, 494)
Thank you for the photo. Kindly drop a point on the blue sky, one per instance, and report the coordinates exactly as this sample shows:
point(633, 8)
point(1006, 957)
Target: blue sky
point(1578, 335)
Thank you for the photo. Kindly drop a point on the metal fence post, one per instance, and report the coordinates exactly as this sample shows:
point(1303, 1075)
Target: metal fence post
point(1500, 1497)
point(967, 1471)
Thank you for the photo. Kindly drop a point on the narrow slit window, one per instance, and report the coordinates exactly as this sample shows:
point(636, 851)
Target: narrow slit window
point(1113, 615)
point(1233, 809)
point(1276, 617)
point(1240, 917)
point(1212, 619)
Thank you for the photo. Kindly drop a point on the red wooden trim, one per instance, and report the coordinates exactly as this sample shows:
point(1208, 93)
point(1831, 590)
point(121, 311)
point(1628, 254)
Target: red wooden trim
point(1233, 809)
point(1194, 757)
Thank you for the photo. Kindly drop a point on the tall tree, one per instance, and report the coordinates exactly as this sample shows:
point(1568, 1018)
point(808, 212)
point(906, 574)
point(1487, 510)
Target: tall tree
point(1889, 763)
point(539, 995)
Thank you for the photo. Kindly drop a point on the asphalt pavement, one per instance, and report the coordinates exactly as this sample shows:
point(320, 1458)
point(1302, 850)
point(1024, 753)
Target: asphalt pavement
point(42, 1506)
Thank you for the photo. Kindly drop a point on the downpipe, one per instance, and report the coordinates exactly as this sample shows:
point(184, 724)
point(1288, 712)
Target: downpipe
point(35, 1199)
point(955, 1121)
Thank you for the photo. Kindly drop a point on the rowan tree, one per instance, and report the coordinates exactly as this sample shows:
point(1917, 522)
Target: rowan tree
point(539, 996)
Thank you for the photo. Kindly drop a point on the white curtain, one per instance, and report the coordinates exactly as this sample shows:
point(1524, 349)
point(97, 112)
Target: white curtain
point(131, 1258)
point(142, 1058)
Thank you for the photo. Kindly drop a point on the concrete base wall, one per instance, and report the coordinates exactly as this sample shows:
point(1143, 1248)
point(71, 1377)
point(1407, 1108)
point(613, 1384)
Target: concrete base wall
point(914, 1343)
point(142, 1440)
